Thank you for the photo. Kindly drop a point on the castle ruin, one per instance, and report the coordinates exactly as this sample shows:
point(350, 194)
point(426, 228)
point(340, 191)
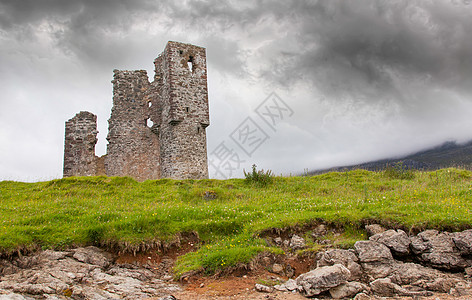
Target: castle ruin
point(156, 129)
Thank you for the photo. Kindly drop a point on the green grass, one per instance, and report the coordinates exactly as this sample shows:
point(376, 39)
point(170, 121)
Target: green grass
point(221, 254)
point(126, 215)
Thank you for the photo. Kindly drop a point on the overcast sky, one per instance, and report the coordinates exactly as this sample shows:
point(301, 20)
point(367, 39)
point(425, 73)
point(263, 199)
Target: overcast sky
point(358, 80)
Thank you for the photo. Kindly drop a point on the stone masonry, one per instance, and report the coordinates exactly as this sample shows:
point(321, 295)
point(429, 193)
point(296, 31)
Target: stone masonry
point(156, 129)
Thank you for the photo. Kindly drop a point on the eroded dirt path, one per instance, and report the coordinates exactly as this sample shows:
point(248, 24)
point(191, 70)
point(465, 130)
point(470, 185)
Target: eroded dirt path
point(230, 287)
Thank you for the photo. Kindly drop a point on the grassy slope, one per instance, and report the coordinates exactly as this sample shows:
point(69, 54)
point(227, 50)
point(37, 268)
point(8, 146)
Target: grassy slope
point(119, 212)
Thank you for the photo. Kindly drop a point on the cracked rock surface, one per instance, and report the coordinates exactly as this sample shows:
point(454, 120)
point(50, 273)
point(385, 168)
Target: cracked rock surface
point(82, 273)
point(392, 264)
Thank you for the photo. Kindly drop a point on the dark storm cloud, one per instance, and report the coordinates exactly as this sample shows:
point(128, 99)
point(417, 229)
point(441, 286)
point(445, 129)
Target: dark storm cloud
point(14, 13)
point(377, 51)
point(340, 45)
point(372, 50)
point(102, 33)
point(90, 30)
point(96, 31)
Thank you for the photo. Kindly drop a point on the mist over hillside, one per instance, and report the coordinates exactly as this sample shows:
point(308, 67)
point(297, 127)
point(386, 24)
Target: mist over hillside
point(448, 154)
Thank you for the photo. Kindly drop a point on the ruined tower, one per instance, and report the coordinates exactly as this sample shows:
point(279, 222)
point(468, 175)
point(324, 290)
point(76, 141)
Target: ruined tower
point(79, 147)
point(156, 129)
point(181, 81)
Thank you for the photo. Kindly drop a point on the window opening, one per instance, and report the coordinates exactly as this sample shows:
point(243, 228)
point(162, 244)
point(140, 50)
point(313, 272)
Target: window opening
point(186, 109)
point(198, 129)
point(190, 63)
point(149, 123)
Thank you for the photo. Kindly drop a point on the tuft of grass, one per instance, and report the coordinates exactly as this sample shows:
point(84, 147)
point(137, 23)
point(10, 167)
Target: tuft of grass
point(352, 233)
point(269, 281)
point(125, 215)
point(399, 171)
point(260, 177)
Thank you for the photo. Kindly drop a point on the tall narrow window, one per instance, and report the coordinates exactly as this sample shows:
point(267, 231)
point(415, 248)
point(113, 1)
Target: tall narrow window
point(186, 109)
point(198, 129)
point(190, 63)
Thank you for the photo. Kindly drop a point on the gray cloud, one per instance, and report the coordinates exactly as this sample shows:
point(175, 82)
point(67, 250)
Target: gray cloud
point(364, 50)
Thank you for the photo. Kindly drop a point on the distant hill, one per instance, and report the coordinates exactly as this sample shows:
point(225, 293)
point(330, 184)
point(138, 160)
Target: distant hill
point(449, 154)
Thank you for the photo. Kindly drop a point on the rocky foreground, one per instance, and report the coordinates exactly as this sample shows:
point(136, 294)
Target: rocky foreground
point(389, 264)
point(82, 273)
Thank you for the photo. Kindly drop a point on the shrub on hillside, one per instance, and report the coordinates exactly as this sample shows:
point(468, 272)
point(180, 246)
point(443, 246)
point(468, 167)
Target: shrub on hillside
point(259, 177)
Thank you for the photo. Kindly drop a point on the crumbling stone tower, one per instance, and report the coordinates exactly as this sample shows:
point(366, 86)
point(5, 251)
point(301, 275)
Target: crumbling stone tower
point(156, 130)
point(79, 150)
point(181, 83)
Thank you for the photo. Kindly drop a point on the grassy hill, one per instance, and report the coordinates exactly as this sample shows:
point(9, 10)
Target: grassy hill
point(228, 215)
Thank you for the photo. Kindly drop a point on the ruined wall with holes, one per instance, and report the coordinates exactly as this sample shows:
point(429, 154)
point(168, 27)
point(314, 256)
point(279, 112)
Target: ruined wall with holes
point(156, 129)
point(133, 149)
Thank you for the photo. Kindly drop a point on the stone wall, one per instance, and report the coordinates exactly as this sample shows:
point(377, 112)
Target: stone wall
point(133, 148)
point(79, 150)
point(156, 130)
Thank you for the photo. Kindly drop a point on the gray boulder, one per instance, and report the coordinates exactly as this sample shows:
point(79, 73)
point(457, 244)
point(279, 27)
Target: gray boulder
point(297, 242)
point(463, 241)
point(424, 277)
point(410, 273)
point(362, 296)
point(322, 279)
point(370, 251)
point(93, 255)
point(375, 258)
point(340, 256)
point(319, 231)
point(386, 288)
point(289, 285)
point(263, 288)
point(439, 250)
point(396, 240)
point(277, 269)
point(376, 270)
point(347, 290)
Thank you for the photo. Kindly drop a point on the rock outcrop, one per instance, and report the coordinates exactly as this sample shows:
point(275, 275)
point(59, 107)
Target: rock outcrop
point(82, 273)
point(433, 262)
